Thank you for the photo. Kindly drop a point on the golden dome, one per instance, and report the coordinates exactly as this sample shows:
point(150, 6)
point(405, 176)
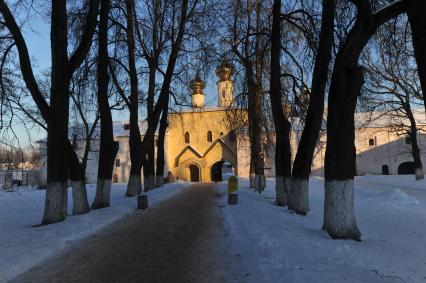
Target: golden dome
point(197, 85)
point(225, 71)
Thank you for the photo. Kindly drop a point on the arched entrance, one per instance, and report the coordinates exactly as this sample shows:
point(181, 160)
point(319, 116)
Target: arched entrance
point(194, 171)
point(221, 168)
point(406, 168)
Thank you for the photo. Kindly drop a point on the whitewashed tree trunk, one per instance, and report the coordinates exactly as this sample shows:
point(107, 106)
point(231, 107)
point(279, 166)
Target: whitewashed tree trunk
point(149, 182)
point(259, 182)
point(419, 173)
point(299, 196)
point(282, 186)
point(80, 203)
point(159, 181)
point(252, 180)
point(134, 186)
point(339, 211)
point(103, 193)
point(55, 203)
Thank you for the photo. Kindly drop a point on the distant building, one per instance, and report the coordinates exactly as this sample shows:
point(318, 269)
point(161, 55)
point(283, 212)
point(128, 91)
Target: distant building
point(203, 142)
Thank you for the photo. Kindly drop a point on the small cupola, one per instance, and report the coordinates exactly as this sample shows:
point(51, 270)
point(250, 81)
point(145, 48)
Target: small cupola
point(225, 87)
point(197, 86)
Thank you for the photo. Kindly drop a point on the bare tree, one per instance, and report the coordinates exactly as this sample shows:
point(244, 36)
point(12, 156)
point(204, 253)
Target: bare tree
point(299, 200)
point(416, 11)
point(56, 115)
point(393, 86)
point(345, 88)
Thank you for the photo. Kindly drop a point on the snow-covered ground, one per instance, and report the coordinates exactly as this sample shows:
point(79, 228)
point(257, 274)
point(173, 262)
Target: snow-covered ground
point(270, 244)
point(23, 246)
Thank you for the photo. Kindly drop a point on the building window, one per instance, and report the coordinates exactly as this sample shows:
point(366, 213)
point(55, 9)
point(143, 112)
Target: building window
point(126, 127)
point(117, 163)
point(187, 137)
point(209, 136)
point(407, 140)
point(371, 142)
point(231, 136)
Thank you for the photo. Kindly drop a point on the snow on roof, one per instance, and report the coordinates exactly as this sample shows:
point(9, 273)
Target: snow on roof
point(385, 119)
point(120, 129)
point(203, 109)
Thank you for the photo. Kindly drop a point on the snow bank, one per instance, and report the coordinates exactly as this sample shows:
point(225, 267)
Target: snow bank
point(23, 246)
point(270, 244)
point(397, 197)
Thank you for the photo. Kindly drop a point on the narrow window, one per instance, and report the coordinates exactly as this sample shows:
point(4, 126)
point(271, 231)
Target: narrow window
point(117, 163)
point(209, 136)
point(187, 137)
point(407, 140)
point(371, 142)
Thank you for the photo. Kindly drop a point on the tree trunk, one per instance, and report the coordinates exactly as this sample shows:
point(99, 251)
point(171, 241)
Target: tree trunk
point(415, 150)
point(78, 183)
point(254, 112)
point(160, 148)
point(57, 131)
point(339, 214)
point(108, 148)
point(417, 18)
point(282, 125)
point(134, 186)
point(340, 156)
point(299, 200)
point(149, 167)
point(252, 165)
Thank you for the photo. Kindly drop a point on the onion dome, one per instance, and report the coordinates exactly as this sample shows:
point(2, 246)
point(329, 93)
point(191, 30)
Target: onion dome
point(197, 85)
point(225, 71)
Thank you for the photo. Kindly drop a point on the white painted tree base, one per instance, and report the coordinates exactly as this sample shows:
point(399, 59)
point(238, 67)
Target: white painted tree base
point(281, 190)
point(149, 183)
point(419, 174)
point(103, 194)
point(80, 204)
point(55, 209)
point(259, 182)
point(252, 180)
point(339, 211)
point(159, 181)
point(134, 186)
point(299, 196)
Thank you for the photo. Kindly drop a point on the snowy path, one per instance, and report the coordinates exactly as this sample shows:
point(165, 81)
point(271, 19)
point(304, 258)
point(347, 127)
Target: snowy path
point(23, 246)
point(170, 242)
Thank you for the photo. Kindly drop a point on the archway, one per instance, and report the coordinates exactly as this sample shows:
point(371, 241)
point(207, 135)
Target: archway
point(220, 169)
point(406, 168)
point(194, 171)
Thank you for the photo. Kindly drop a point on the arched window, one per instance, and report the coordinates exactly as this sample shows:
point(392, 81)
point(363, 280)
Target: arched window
point(187, 137)
point(371, 142)
point(231, 136)
point(209, 136)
